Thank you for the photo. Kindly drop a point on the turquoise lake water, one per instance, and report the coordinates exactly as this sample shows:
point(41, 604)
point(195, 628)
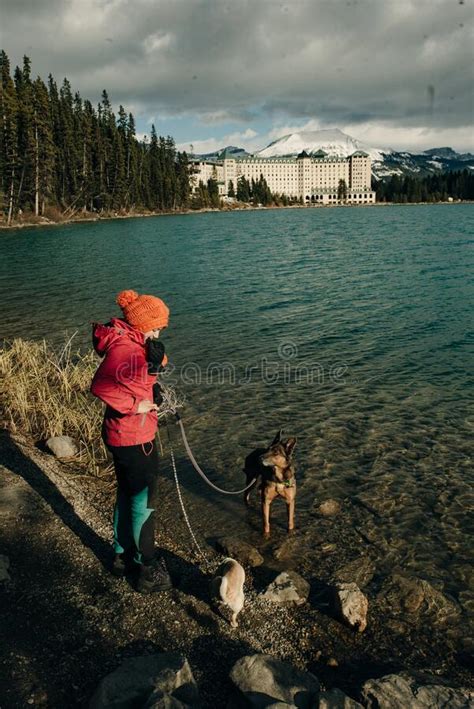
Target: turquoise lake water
point(350, 327)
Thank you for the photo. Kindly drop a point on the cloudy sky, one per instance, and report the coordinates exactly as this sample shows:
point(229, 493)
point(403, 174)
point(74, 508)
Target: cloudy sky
point(393, 73)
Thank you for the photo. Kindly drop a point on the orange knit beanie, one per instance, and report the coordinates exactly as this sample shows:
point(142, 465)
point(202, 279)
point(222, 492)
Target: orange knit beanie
point(143, 312)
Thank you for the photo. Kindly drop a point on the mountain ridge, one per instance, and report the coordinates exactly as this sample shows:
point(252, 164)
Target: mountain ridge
point(386, 162)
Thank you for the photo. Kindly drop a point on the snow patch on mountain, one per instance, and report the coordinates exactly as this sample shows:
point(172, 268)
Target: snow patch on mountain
point(333, 141)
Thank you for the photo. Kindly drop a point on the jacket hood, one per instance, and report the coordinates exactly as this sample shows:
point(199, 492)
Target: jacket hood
point(104, 336)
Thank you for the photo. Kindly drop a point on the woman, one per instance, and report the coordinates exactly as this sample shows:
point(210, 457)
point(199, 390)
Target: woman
point(124, 381)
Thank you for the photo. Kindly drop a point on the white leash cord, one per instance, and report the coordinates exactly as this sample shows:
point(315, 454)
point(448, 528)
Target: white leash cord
point(201, 473)
point(181, 502)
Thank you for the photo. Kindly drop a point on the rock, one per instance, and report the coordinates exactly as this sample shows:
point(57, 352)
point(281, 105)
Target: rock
point(288, 587)
point(263, 680)
point(360, 571)
point(239, 550)
point(4, 566)
point(396, 691)
point(62, 446)
point(163, 700)
point(415, 598)
point(335, 699)
point(350, 605)
point(161, 678)
point(328, 508)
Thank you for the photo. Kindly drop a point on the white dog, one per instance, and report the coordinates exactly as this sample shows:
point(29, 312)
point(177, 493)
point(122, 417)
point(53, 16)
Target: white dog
point(227, 587)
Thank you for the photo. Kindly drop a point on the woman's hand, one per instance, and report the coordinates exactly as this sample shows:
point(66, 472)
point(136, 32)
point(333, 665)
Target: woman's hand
point(145, 406)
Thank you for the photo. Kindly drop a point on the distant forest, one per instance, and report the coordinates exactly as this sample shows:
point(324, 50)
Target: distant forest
point(433, 188)
point(59, 153)
point(60, 156)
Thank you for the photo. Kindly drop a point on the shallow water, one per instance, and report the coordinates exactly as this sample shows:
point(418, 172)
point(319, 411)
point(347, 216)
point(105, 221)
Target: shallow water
point(350, 328)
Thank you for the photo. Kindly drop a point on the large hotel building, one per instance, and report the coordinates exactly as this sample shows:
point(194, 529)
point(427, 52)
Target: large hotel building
point(314, 178)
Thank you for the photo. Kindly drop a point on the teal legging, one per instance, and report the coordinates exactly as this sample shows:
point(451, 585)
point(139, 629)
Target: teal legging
point(136, 469)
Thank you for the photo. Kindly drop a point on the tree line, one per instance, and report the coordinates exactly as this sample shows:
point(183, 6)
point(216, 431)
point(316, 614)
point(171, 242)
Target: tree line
point(432, 188)
point(58, 151)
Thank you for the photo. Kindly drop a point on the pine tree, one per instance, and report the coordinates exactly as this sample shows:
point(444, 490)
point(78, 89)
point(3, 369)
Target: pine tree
point(243, 189)
point(25, 134)
point(342, 190)
point(9, 144)
point(213, 191)
point(44, 152)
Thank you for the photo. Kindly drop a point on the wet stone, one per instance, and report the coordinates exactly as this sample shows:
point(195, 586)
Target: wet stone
point(329, 508)
point(360, 571)
point(414, 598)
point(237, 549)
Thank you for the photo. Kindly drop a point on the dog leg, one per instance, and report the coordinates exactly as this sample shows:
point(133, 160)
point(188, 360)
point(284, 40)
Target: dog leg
point(233, 621)
point(266, 517)
point(290, 511)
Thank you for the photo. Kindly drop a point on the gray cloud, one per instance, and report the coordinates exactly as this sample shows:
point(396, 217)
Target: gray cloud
point(338, 61)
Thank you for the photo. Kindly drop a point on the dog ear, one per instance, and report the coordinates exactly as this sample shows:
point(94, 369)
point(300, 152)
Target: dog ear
point(289, 446)
point(277, 438)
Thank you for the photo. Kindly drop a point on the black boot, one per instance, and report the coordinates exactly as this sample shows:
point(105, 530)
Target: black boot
point(123, 564)
point(153, 577)
point(118, 566)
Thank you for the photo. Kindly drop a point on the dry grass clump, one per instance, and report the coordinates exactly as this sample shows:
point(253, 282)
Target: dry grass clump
point(45, 392)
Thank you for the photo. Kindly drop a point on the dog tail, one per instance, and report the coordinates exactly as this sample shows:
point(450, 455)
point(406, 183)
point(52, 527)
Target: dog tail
point(223, 589)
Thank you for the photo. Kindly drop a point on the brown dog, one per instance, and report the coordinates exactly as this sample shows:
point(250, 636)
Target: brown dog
point(274, 467)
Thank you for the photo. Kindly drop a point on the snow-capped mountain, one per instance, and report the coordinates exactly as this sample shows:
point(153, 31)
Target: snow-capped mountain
point(333, 141)
point(385, 161)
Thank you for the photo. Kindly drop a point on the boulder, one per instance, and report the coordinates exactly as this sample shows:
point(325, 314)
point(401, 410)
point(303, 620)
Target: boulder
point(239, 550)
point(263, 680)
point(62, 446)
point(163, 700)
point(414, 598)
point(360, 571)
point(288, 587)
point(335, 699)
point(350, 605)
point(329, 508)
point(163, 677)
point(4, 566)
point(396, 691)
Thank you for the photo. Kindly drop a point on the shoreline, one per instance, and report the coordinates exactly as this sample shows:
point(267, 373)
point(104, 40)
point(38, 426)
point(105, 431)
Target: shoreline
point(249, 208)
point(69, 520)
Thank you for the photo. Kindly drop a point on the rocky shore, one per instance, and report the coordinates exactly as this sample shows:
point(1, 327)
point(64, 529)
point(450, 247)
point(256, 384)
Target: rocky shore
point(27, 222)
point(321, 627)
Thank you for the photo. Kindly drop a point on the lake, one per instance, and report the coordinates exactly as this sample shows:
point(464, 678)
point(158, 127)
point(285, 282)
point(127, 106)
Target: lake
point(351, 328)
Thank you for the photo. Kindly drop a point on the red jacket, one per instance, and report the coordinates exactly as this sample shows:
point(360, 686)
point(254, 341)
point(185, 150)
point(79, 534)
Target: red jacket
point(121, 382)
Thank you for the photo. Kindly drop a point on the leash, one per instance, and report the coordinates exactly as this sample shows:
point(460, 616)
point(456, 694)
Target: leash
point(200, 471)
point(181, 502)
point(204, 559)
